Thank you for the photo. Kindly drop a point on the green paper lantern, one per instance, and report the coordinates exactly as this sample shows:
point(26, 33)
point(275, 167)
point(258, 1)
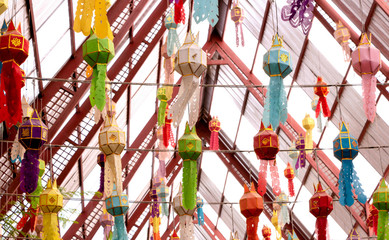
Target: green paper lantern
point(381, 202)
point(162, 96)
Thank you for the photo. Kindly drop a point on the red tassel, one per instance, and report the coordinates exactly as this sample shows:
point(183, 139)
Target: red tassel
point(214, 141)
point(168, 137)
point(321, 228)
point(23, 221)
point(252, 227)
point(324, 105)
point(291, 187)
point(262, 177)
point(179, 12)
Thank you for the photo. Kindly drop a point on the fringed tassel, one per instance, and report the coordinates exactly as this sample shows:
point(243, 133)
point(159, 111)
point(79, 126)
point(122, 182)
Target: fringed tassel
point(214, 140)
point(346, 196)
point(33, 218)
point(357, 186)
point(50, 227)
point(291, 187)
point(156, 223)
point(162, 112)
point(168, 137)
point(284, 215)
point(251, 228)
point(165, 207)
point(200, 216)
point(382, 229)
point(17, 150)
point(108, 180)
point(186, 228)
point(101, 188)
point(262, 177)
point(323, 105)
point(300, 163)
point(319, 123)
point(189, 184)
point(213, 12)
point(369, 84)
point(115, 165)
point(179, 12)
point(308, 140)
point(276, 103)
point(346, 51)
point(322, 228)
point(162, 168)
point(119, 232)
point(173, 42)
point(237, 33)
point(375, 224)
point(275, 178)
point(97, 90)
point(29, 172)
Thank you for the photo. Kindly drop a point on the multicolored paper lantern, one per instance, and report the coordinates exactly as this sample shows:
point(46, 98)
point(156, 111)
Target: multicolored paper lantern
point(381, 202)
point(206, 9)
point(189, 148)
point(3, 6)
point(342, 35)
point(14, 49)
point(372, 219)
point(200, 212)
point(266, 232)
point(266, 147)
point(155, 212)
point(353, 235)
point(106, 221)
point(366, 61)
point(322, 91)
point(101, 162)
point(300, 146)
point(163, 194)
point(320, 206)
point(289, 174)
point(299, 13)
point(186, 223)
point(251, 206)
point(346, 149)
point(237, 15)
point(117, 206)
point(277, 63)
point(173, 40)
point(214, 127)
point(308, 124)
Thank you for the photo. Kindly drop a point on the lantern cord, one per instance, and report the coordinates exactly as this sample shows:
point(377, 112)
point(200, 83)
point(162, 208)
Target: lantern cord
point(275, 5)
point(317, 165)
point(362, 15)
point(339, 105)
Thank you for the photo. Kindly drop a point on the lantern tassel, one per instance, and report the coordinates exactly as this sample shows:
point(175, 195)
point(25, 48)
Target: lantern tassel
point(119, 232)
point(162, 168)
point(107, 232)
point(172, 42)
point(275, 179)
point(162, 112)
point(213, 12)
point(346, 51)
point(284, 215)
point(97, 90)
point(324, 105)
point(357, 186)
point(50, 227)
point(179, 12)
point(156, 222)
point(346, 196)
point(17, 150)
point(375, 224)
point(186, 227)
point(214, 140)
point(308, 140)
point(115, 165)
point(189, 184)
point(382, 233)
point(291, 187)
point(301, 160)
point(33, 217)
point(262, 177)
point(29, 172)
point(200, 216)
point(369, 84)
point(252, 227)
point(276, 103)
point(319, 122)
point(101, 188)
point(322, 228)
point(165, 207)
point(168, 137)
point(35, 200)
point(108, 180)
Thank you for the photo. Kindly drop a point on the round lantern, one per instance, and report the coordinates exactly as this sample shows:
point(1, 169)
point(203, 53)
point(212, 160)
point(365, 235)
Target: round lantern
point(372, 219)
point(13, 52)
point(381, 202)
point(200, 212)
point(300, 146)
point(237, 15)
point(163, 193)
point(320, 206)
point(186, 224)
point(172, 36)
point(366, 61)
point(101, 162)
point(289, 174)
point(308, 124)
point(342, 35)
point(251, 206)
point(106, 221)
point(322, 91)
point(266, 232)
point(98, 53)
point(189, 148)
point(214, 127)
point(266, 147)
point(117, 206)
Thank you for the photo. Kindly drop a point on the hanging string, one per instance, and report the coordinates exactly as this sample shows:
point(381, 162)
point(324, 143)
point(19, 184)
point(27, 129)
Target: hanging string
point(275, 4)
point(339, 105)
point(362, 16)
point(317, 165)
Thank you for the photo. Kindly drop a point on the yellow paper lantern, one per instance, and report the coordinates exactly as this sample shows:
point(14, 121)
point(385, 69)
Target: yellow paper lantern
point(308, 124)
point(3, 6)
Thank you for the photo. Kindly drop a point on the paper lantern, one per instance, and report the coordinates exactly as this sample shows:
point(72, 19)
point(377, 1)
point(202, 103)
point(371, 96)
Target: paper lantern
point(353, 235)
point(314, 103)
point(106, 221)
point(266, 232)
point(251, 206)
point(112, 141)
point(200, 212)
point(346, 149)
point(320, 206)
point(32, 135)
point(366, 61)
point(289, 174)
point(372, 220)
point(186, 224)
point(274, 221)
point(3, 6)
point(189, 148)
point(266, 147)
point(174, 235)
point(117, 206)
point(234, 236)
point(277, 63)
point(163, 154)
point(51, 202)
point(237, 15)
point(101, 162)
point(191, 62)
point(98, 52)
point(168, 137)
point(283, 214)
point(342, 35)
point(173, 40)
point(163, 194)
point(300, 146)
point(155, 212)
point(206, 9)
point(179, 12)
point(293, 154)
point(292, 235)
point(34, 207)
point(308, 124)
point(214, 127)
point(162, 97)
point(168, 67)
point(381, 202)
point(13, 52)
point(299, 13)
point(322, 91)
point(39, 225)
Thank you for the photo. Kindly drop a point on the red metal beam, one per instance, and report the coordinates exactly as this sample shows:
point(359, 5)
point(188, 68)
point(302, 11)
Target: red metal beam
point(215, 231)
point(384, 5)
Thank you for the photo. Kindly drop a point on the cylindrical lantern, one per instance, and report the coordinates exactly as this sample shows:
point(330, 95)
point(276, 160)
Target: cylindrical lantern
point(266, 232)
point(161, 95)
point(155, 212)
point(320, 206)
point(277, 63)
point(172, 36)
point(200, 212)
point(322, 91)
point(237, 15)
point(106, 221)
point(381, 202)
point(366, 61)
point(266, 147)
point(346, 149)
point(372, 219)
point(168, 137)
point(101, 162)
point(314, 103)
point(214, 127)
point(251, 206)
point(308, 124)
point(186, 224)
point(163, 194)
point(342, 35)
point(289, 174)
point(117, 206)
point(300, 146)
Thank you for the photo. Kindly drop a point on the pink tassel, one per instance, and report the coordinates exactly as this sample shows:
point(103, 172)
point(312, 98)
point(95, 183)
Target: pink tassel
point(214, 141)
point(275, 179)
point(291, 187)
point(369, 84)
point(262, 177)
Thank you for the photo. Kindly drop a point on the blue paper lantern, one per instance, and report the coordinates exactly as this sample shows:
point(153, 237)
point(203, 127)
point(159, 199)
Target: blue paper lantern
point(346, 149)
point(117, 206)
point(172, 36)
point(200, 212)
point(277, 63)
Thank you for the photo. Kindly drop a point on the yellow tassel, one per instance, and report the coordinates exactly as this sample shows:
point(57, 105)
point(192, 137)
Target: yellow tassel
point(101, 20)
point(50, 227)
point(77, 19)
point(86, 19)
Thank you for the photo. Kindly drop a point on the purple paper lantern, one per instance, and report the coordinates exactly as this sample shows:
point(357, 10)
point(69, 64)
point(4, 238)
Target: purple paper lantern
point(299, 13)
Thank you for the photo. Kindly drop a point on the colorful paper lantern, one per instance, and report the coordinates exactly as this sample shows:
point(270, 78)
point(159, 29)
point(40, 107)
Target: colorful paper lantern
point(106, 221)
point(112, 141)
point(366, 61)
point(274, 221)
point(200, 212)
point(168, 137)
point(381, 202)
point(299, 13)
point(314, 103)
point(186, 224)
point(266, 232)
point(98, 52)
point(353, 235)
point(342, 35)
point(322, 91)
point(289, 174)
point(179, 12)
point(3, 6)
point(117, 206)
point(214, 127)
point(101, 162)
point(300, 146)
point(251, 206)
point(293, 154)
point(168, 67)
point(237, 15)
point(283, 214)
point(206, 9)
point(266, 147)
point(13, 52)
point(320, 206)
point(277, 63)
point(189, 148)
point(191, 62)
point(372, 219)
point(162, 97)
point(173, 40)
point(346, 149)
point(51, 202)
point(308, 124)
point(163, 194)
point(155, 212)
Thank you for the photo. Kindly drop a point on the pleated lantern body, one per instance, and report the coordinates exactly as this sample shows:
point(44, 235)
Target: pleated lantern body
point(186, 224)
point(3, 6)
point(13, 52)
point(98, 53)
point(112, 141)
point(277, 63)
point(117, 206)
point(346, 149)
point(381, 202)
point(320, 206)
point(266, 147)
point(50, 203)
point(189, 148)
point(251, 206)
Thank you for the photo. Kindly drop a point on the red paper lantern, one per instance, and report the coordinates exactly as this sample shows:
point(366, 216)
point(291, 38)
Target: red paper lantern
point(266, 232)
point(251, 206)
point(168, 137)
point(372, 219)
point(13, 52)
point(320, 206)
point(214, 127)
point(266, 146)
point(289, 174)
point(322, 91)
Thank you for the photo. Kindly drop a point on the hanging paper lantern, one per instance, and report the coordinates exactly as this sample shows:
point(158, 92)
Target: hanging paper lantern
point(300, 146)
point(3, 6)
point(106, 221)
point(314, 103)
point(293, 154)
point(32, 135)
point(342, 35)
point(299, 12)
point(173, 40)
point(101, 162)
point(308, 124)
point(266, 147)
point(372, 220)
point(200, 212)
point(189, 148)
point(320, 206)
point(277, 63)
point(251, 206)
point(13, 52)
point(168, 137)
point(168, 68)
point(163, 194)
point(51, 202)
point(366, 61)
point(292, 236)
point(163, 155)
point(322, 91)
point(98, 52)
point(117, 206)
point(237, 15)
point(34, 207)
point(39, 225)
point(234, 236)
point(179, 12)
point(289, 174)
point(353, 235)
point(274, 221)
point(283, 214)
point(174, 235)
point(186, 224)
point(112, 141)
point(206, 9)
point(346, 149)
point(214, 127)
point(266, 232)
point(191, 62)
point(155, 211)
point(381, 202)
point(161, 95)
